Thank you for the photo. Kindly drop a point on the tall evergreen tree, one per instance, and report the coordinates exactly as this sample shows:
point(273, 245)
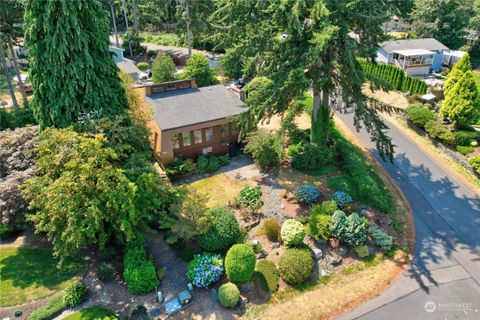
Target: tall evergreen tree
point(463, 65)
point(300, 44)
point(462, 103)
point(71, 69)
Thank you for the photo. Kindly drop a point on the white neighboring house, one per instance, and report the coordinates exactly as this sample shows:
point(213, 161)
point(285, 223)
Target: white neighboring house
point(451, 57)
point(415, 56)
point(126, 65)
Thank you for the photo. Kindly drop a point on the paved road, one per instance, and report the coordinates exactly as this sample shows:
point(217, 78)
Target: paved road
point(444, 276)
point(212, 57)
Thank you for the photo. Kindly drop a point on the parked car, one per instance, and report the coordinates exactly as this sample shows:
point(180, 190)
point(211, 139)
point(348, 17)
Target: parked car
point(177, 303)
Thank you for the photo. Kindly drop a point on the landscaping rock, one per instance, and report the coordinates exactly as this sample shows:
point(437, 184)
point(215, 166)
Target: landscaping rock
point(262, 255)
point(275, 245)
point(317, 253)
point(342, 251)
point(252, 224)
point(214, 294)
point(246, 287)
point(334, 243)
point(335, 258)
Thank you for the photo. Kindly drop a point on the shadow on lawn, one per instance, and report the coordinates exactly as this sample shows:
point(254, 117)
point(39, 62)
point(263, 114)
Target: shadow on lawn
point(26, 267)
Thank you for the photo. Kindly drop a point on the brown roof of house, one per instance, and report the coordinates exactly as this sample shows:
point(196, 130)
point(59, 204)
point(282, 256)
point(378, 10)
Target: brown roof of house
point(186, 107)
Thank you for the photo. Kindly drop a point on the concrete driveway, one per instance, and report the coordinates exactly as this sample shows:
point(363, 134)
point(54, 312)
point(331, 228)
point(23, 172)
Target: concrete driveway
point(443, 280)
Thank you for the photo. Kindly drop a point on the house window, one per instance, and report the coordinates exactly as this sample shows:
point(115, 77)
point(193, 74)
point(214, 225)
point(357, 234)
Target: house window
point(224, 130)
point(207, 150)
point(234, 130)
point(175, 143)
point(187, 140)
point(197, 135)
point(209, 134)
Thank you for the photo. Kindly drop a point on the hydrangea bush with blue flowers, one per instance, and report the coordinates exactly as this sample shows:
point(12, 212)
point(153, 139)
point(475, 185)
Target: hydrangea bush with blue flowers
point(342, 199)
point(205, 269)
point(307, 194)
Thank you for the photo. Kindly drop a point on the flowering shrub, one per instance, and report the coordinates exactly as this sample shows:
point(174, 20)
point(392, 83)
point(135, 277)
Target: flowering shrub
point(205, 269)
point(307, 194)
point(292, 232)
point(342, 198)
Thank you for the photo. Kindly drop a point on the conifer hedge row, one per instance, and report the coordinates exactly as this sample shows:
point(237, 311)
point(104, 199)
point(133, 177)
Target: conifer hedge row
point(394, 76)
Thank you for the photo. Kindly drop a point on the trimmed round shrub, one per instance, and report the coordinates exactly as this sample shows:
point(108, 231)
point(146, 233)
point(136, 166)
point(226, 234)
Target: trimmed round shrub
point(268, 273)
point(293, 232)
point(205, 269)
point(307, 194)
point(223, 232)
point(362, 251)
point(143, 66)
point(240, 263)
point(272, 229)
point(342, 199)
point(74, 295)
point(228, 295)
point(296, 265)
point(105, 272)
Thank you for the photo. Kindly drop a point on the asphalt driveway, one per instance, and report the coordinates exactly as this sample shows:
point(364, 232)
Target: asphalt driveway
point(443, 280)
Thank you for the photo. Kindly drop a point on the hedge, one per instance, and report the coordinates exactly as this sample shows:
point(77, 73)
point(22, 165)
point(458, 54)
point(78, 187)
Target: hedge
point(223, 232)
point(138, 270)
point(395, 77)
point(53, 306)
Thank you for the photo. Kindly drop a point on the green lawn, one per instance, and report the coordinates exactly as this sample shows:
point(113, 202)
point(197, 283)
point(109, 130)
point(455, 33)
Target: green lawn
point(95, 312)
point(476, 75)
point(28, 274)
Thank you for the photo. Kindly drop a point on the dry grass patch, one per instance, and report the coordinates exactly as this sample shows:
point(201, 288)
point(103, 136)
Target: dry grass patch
point(393, 98)
point(220, 189)
point(341, 293)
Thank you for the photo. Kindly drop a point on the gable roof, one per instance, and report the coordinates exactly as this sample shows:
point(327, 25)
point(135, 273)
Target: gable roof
point(407, 44)
point(128, 66)
point(186, 107)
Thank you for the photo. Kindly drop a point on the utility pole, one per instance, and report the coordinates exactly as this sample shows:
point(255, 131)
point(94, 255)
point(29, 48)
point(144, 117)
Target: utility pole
point(188, 29)
point(114, 24)
point(126, 26)
point(7, 75)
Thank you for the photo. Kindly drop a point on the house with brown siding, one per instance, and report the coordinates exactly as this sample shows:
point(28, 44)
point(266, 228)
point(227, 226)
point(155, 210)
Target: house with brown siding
point(189, 122)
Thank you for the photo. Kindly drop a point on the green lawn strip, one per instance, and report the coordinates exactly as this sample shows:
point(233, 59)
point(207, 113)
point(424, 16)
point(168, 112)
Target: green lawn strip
point(97, 312)
point(476, 76)
point(29, 274)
